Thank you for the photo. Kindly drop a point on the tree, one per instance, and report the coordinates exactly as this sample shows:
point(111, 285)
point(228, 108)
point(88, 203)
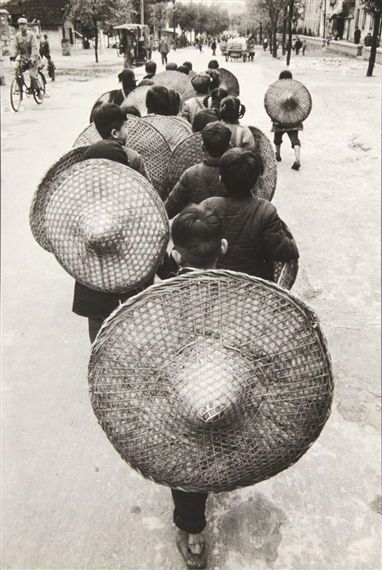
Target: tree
point(375, 8)
point(91, 15)
point(185, 16)
point(158, 15)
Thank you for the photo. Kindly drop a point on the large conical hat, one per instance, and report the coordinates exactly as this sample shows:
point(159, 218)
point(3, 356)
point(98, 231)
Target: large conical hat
point(266, 185)
point(137, 98)
point(173, 130)
point(145, 139)
point(211, 381)
point(287, 102)
point(187, 153)
point(229, 82)
point(104, 223)
point(177, 81)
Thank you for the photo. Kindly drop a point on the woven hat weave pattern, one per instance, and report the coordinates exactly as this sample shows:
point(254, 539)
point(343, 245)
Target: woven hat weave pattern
point(211, 381)
point(287, 102)
point(177, 81)
point(173, 131)
point(45, 188)
point(146, 140)
point(185, 154)
point(105, 225)
point(266, 185)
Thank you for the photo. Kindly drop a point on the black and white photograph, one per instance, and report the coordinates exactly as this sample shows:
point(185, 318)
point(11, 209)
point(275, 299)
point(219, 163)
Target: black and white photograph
point(191, 284)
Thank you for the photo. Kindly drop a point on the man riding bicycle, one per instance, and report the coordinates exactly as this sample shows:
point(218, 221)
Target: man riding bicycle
point(25, 44)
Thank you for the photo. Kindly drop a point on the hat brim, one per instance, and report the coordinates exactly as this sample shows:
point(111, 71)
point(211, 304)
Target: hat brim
point(187, 153)
point(173, 131)
point(173, 349)
point(279, 93)
point(266, 185)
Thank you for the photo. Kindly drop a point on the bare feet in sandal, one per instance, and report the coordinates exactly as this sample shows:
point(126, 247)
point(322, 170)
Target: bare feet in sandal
point(196, 543)
point(192, 548)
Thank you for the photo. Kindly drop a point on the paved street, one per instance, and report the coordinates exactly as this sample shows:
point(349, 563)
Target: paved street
point(70, 502)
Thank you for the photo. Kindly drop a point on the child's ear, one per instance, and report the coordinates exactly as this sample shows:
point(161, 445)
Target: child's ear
point(114, 133)
point(177, 257)
point(223, 246)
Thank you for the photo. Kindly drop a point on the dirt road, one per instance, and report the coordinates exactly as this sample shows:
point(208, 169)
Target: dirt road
point(69, 500)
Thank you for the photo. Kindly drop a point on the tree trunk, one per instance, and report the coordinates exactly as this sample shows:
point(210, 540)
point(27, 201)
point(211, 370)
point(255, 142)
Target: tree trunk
point(95, 23)
point(290, 16)
point(285, 20)
point(274, 39)
point(373, 50)
point(261, 34)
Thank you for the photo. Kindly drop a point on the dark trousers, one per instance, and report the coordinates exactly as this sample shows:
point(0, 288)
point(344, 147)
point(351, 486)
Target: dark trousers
point(189, 511)
point(94, 326)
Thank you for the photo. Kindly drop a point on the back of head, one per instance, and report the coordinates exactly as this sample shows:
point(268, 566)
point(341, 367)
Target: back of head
point(171, 66)
point(183, 69)
point(158, 100)
point(131, 110)
point(213, 64)
point(126, 76)
point(201, 83)
point(174, 102)
point(202, 118)
point(188, 64)
point(197, 236)
point(151, 67)
point(230, 109)
point(239, 171)
point(286, 74)
point(217, 95)
point(216, 138)
point(108, 117)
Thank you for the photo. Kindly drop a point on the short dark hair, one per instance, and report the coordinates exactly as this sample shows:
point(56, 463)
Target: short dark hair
point(286, 74)
point(132, 110)
point(217, 95)
point(197, 234)
point(231, 110)
point(188, 64)
point(150, 66)
point(239, 171)
point(171, 66)
point(202, 118)
point(108, 117)
point(158, 100)
point(216, 138)
point(183, 69)
point(213, 64)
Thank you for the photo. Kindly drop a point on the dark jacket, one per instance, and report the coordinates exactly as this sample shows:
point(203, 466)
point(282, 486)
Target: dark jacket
point(256, 235)
point(196, 184)
point(96, 304)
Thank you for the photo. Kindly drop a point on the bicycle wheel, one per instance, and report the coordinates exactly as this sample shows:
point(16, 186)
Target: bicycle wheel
point(39, 90)
point(16, 95)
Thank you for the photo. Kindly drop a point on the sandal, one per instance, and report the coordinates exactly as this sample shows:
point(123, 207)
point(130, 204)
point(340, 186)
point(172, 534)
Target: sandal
point(191, 559)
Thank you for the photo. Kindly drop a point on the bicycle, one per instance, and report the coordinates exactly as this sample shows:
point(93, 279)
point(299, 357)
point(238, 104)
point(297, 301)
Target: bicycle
point(19, 88)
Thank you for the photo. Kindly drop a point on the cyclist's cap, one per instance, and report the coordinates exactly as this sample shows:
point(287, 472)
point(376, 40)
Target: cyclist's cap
point(22, 21)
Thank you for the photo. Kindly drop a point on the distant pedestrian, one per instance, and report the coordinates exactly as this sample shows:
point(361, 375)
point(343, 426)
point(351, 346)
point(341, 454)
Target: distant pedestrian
point(213, 47)
point(368, 39)
point(45, 48)
point(357, 35)
point(303, 47)
point(200, 45)
point(265, 44)
point(297, 45)
point(163, 50)
point(251, 48)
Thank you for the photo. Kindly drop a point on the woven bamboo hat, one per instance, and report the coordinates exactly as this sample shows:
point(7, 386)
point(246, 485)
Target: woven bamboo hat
point(44, 191)
point(266, 184)
point(173, 130)
point(229, 82)
point(187, 153)
point(287, 102)
point(211, 381)
point(104, 223)
point(143, 138)
point(177, 81)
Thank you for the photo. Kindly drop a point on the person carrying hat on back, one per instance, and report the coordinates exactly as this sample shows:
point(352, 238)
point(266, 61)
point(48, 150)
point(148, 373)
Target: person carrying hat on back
point(151, 69)
point(110, 122)
point(292, 132)
point(201, 83)
point(202, 180)
point(256, 235)
point(26, 45)
point(198, 241)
